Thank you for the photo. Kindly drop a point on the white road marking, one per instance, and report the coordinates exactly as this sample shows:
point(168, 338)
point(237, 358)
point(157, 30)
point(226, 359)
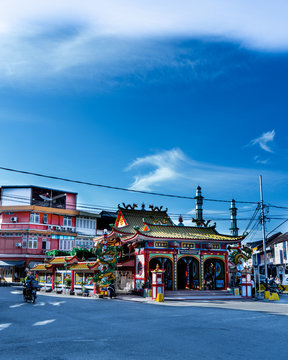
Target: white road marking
point(45, 322)
point(4, 326)
point(16, 292)
point(57, 303)
point(41, 303)
point(16, 305)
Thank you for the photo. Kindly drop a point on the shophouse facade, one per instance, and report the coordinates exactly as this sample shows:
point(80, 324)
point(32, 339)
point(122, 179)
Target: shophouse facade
point(34, 220)
point(276, 256)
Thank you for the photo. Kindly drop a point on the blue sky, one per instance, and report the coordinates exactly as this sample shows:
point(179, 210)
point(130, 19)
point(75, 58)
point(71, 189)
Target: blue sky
point(157, 96)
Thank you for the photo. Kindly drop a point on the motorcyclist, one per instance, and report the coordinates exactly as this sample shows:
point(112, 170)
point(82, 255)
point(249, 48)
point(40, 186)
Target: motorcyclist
point(29, 285)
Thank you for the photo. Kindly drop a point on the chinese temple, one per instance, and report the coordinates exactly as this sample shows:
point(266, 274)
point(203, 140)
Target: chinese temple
point(193, 257)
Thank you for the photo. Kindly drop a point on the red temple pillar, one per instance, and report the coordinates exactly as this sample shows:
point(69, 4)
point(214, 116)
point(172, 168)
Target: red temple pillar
point(227, 271)
point(53, 278)
point(187, 275)
point(72, 280)
point(146, 265)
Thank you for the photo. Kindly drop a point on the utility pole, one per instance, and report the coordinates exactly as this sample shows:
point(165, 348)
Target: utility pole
point(263, 229)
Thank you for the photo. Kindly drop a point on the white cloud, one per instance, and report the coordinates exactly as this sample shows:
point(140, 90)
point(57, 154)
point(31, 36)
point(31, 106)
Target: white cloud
point(166, 164)
point(263, 141)
point(256, 23)
point(101, 41)
point(260, 161)
point(174, 167)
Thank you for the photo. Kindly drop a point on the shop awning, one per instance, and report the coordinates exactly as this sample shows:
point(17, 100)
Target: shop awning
point(11, 263)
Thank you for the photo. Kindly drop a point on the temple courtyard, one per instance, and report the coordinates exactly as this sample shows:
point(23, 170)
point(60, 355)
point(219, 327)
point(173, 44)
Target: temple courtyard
point(63, 327)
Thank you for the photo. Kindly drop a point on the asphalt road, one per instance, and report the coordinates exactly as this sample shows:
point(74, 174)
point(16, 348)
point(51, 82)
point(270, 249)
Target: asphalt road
point(71, 328)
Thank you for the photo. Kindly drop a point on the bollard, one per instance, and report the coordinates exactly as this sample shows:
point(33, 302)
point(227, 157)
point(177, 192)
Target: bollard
point(275, 296)
point(266, 294)
point(160, 298)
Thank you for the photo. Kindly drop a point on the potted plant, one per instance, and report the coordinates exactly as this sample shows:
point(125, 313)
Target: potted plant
point(80, 293)
point(58, 291)
point(68, 283)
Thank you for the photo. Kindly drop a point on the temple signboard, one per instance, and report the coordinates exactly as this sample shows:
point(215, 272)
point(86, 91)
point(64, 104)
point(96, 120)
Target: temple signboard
point(189, 252)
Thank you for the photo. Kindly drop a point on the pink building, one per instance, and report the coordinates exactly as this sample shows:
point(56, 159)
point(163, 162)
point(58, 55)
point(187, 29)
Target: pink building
point(33, 220)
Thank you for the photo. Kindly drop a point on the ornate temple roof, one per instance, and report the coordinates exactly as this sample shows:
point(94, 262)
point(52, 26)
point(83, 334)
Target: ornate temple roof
point(63, 259)
point(187, 233)
point(84, 265)
point(134, 225)
point(128, 219)
point(43, 267)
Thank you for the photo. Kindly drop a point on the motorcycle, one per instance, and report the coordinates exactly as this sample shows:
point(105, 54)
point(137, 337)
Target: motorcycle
point(29, 292)
point(274, 288)
point(111, 291)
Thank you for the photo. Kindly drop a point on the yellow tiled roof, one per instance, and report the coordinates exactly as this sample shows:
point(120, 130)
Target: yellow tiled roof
point(42, 267)
point(188, 232)
point(134, 218)
point(61, 259)
point(83, 265)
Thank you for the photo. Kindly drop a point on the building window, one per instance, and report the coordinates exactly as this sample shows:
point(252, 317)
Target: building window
point(281, 257)
point(45, 219)
point(284, 250)
point(67, 221)
point(24, 242)
point(35, 218)
point(32, 243)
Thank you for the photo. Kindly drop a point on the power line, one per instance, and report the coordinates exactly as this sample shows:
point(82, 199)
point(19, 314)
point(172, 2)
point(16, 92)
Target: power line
point(277, 227)
point(116, 187)
point(25, 199)
point(252, 219)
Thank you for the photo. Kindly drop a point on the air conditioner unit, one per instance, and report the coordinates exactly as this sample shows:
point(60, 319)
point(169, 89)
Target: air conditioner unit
point(18, 245)
point(13, 219)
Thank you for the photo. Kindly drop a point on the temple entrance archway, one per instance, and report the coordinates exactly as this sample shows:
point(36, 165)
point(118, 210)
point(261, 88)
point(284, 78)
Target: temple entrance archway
point(188, 273)
point(214, 274)
point(164, 263)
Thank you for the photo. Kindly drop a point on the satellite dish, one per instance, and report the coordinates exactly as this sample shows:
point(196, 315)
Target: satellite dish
point(45, 197)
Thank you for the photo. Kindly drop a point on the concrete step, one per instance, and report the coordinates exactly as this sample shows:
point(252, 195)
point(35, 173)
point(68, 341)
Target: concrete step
point(196, 293)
